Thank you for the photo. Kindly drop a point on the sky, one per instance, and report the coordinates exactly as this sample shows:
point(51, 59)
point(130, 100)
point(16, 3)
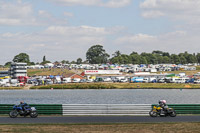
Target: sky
point(66, 29)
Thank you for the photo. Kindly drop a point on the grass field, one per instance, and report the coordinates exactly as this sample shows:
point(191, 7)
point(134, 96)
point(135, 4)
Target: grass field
point(11, 88)
point(120, 86)
point(103, 128)
point(46, 72)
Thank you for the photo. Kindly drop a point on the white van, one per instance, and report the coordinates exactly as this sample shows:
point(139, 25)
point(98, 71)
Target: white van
point(66, 80)
point(76, 80)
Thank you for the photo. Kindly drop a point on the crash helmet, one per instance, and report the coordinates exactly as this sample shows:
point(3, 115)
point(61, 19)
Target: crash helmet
point(21, 102)
point(164, 101)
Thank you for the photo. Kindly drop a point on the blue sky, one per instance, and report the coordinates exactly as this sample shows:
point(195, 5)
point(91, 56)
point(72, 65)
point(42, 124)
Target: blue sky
point(66, 29)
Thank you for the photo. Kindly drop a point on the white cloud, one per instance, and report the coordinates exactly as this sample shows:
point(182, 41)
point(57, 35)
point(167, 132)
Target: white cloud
point(16, 14)
point(44, 13)
point(22, 14)
point(152, 14)
point(68, 14)
point(139, 38)
point(56, 42)
point(79, 30)
point(187, 10)
point(173, 42)
point(109, 3)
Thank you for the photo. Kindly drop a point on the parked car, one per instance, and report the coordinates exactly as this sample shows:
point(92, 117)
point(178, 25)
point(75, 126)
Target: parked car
point(90, 80)
point(190, 80)
point(76, 80)
point(137, 79)
point(22, 84)
point(161, 80)
point(124, 80)
point(197, 81)
point(83, 81)
point(48, 81)
point(66, 80)
point(107, 80)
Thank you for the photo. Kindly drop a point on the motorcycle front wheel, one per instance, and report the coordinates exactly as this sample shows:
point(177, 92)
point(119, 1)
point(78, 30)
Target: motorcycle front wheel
point(13, 114)
point(33, 114)
point(153, 113)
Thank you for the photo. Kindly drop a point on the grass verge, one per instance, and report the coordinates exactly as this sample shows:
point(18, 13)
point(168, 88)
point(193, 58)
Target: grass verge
point(119, 86)
point(103, 128)
point(45, 72)
point(11, 88)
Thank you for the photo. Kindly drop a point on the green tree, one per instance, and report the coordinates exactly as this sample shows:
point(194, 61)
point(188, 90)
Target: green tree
point(32, 63)
point(157, 52)
point(166, 60)
point(45, 62)
point(183, 60)
point(166, 54)
point(73, 62)
point(22, 57)
point(198, 57)
point(44, 58)
point(7, 64)
point(133, 53)
point(135, 58)
point(143, 60)
point(97, 55)
point(117, 54)
point(159, 59)
point(79, 61)
point(65, 62)
point(175, 59)
point(125, 59)
point(192, 58)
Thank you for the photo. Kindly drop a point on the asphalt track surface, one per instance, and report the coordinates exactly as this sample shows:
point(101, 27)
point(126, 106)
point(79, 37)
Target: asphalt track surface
point(96, 119)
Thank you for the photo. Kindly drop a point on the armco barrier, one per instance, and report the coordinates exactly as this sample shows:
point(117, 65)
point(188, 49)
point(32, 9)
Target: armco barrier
point(5, 108)
point(185, 108)
point(41, 108)
point(103, 109)
point(106, 109)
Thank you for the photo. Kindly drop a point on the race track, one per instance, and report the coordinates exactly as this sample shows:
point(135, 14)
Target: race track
point(97, 119)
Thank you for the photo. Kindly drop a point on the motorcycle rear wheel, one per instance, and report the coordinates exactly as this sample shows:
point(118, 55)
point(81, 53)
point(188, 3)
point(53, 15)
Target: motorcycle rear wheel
point(13, 114)
point(173, 114)
point(153, 113)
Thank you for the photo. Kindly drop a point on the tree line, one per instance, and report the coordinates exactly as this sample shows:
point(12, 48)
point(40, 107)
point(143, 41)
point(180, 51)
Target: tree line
point(96, 54)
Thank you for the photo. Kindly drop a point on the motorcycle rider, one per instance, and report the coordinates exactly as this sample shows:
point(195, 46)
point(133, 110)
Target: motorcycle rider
point(23, 105)
point(163, 105)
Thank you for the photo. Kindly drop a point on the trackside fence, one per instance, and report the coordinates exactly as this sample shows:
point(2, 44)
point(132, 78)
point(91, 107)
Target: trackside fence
point(41, 108)
point(106, 109)
point(102, 109)
point(185, 108)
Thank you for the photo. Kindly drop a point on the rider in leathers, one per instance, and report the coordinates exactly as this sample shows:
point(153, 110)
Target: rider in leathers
point(163, 105)
point(23, 105)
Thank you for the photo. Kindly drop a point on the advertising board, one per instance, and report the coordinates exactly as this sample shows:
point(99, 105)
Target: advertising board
point(90, 72)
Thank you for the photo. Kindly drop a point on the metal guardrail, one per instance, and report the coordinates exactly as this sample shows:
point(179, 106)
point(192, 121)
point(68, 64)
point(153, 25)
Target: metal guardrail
point(185, 108)
point(103, 109)
point(41, 108)
point(106, 109)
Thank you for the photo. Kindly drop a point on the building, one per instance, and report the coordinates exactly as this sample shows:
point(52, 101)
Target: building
point(18, 69)
point(4, 73)
point(73, 76)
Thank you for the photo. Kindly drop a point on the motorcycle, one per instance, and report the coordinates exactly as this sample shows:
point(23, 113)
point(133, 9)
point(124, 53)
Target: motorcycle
point(18, 110)
point(157, 111)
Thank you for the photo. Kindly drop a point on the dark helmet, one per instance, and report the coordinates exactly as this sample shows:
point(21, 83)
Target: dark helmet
point(160, 101)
